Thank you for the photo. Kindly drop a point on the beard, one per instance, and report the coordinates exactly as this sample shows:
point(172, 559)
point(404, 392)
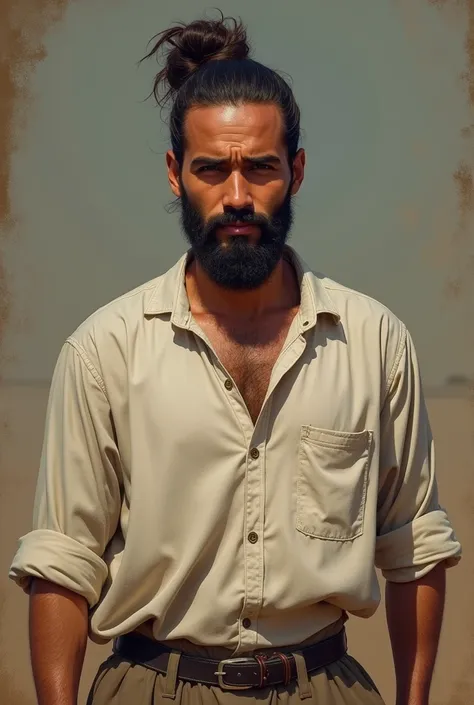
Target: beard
point(239, 265)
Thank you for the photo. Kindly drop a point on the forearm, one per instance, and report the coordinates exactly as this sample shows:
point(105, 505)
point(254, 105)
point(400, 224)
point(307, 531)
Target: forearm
point(58, 638)
point(414, 618)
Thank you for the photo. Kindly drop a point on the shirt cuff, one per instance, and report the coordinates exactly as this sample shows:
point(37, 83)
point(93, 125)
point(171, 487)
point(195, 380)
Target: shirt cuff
point(60, 559)
point(411, 551)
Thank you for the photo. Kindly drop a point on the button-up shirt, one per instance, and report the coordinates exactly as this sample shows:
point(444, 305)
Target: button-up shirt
point(159, 500)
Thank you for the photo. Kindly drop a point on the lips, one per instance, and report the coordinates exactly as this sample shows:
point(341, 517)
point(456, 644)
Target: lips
point(244, 229)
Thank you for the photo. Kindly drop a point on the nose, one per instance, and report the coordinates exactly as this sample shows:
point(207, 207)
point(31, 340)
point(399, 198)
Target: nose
point(237, 194)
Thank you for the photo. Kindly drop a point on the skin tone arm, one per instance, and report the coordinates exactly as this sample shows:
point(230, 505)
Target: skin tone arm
point(414, 616)
point(58, 625)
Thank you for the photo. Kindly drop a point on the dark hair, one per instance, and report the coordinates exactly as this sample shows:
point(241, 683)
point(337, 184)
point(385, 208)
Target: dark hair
point(207, 63)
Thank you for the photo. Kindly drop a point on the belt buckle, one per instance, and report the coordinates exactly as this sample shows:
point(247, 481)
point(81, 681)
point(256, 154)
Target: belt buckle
point(220, 673)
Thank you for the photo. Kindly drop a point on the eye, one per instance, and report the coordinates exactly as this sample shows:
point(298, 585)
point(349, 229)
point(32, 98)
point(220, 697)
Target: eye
point(262, 167)
point(208, 168)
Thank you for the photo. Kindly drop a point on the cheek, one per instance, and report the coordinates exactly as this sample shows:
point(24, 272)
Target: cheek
point(197, 197)
point(271, 197)
point(200, 194)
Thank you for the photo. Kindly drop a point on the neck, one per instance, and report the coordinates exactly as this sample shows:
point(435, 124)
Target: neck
point(280, 291)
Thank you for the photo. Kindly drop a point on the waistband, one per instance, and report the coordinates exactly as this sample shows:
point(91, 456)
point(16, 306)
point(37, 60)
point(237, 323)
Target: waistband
point(259, 670)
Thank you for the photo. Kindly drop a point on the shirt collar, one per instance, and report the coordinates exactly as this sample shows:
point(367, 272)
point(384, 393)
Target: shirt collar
point(169, 294)
point(315, 298)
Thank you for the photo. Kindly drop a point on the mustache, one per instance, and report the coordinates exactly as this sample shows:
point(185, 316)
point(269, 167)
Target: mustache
point(246, 217)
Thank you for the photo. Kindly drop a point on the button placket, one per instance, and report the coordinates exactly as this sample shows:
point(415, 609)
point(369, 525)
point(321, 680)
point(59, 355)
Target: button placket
point(253, 528)
point(235, 400)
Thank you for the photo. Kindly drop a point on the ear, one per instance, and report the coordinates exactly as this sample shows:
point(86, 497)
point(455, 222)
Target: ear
point(173, 173)
point(298, 171)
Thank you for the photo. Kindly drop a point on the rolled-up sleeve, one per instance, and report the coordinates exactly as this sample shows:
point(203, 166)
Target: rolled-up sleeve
point(78, 493)
point(414, 533)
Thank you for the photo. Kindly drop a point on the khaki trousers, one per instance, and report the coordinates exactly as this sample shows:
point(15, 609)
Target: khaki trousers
point(118, 682)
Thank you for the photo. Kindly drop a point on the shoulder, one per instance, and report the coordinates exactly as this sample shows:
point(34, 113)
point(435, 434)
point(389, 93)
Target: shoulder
point(105, 332)
point(360, 316)
point(358, 308)
point(370, 326)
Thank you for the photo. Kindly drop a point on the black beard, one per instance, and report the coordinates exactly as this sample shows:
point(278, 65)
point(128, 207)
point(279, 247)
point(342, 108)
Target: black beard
point(240, 265)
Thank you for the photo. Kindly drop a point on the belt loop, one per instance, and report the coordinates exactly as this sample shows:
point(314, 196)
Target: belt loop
point(171, 678)
point(302, 675)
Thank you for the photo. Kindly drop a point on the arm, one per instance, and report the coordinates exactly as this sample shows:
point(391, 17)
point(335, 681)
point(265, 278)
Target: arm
point(76, 513)
point(58, 637)
point(414, 615)
point(415, 540)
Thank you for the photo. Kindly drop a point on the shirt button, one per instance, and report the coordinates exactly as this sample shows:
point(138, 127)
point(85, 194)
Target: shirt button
point(228, 384)
point(246, 623)
point(254, 453)
point(253, 537)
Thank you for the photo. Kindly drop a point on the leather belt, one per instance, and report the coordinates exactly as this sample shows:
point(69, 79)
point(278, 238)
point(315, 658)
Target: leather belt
point(240, 673)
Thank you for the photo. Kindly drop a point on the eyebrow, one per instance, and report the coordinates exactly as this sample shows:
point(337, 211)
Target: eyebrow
point(255, 161)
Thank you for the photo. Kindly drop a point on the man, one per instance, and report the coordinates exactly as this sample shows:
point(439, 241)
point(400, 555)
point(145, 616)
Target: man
point(232, 448)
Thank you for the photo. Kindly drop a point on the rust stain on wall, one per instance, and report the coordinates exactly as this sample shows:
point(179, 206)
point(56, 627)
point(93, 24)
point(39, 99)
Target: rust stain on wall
point(453, 252)
point(23, 23)
point(460, 285)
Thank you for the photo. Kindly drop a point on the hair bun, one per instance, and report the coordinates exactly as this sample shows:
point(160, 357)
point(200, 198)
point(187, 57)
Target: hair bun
point(189, 46)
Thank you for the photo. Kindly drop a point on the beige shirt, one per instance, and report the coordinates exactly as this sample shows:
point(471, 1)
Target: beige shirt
point(158, 499)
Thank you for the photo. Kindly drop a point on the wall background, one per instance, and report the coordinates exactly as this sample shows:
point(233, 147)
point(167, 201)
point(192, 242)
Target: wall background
point(386, 89)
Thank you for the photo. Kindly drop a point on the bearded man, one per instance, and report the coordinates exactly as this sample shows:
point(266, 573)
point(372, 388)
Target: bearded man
point(233, 448)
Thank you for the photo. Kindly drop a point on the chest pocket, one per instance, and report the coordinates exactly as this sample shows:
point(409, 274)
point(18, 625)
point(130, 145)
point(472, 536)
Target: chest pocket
point(332, 483)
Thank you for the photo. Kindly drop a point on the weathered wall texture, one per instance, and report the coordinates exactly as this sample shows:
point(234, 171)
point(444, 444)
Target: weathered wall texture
point(23, 24)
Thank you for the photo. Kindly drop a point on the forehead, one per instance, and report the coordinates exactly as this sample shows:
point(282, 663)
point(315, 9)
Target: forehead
point(253, 127)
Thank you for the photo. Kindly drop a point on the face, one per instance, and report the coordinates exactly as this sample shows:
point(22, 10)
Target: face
point(236, 186)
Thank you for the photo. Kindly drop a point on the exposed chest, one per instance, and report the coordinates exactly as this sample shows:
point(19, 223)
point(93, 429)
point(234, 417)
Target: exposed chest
point(249, 353)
